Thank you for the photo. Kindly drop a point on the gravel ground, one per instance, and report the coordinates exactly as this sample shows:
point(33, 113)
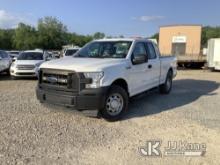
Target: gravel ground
point(34, 134)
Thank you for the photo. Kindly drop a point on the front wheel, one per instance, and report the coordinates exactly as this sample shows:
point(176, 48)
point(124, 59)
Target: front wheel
point(167, 86)
point(8, 72)
point(116, 104)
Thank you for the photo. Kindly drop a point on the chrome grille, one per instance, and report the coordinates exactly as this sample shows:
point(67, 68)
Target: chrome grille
point(55, 79)
point(25, 67)
point(59, 79)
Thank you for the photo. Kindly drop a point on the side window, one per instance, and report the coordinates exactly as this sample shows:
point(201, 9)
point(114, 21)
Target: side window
point(139, 49)
point(94, 49)
point(152, 53)
point(157, 50)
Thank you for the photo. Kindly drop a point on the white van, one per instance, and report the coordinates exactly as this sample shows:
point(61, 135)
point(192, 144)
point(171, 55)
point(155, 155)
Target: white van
point(27, 63)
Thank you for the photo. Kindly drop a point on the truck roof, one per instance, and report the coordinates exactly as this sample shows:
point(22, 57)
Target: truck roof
point(122, 39)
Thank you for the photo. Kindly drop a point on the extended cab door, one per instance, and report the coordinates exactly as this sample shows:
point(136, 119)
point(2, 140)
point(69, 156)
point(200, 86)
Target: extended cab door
point(153, 70)
point(138, 73)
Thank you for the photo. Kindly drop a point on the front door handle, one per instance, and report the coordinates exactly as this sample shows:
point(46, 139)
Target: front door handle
point(149, 66)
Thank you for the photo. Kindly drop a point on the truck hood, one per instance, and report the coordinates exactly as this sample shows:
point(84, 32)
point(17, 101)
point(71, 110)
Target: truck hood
point(82, 64)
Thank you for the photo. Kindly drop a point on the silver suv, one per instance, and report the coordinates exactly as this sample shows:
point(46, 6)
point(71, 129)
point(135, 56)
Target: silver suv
point(5, 62)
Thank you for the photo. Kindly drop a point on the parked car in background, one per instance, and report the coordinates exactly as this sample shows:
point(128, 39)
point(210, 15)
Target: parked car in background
point(213, 54)
point(13, 54)
point(71, 51)
point(27, 63)
point(104, 74)
point(5, 61)
point(56, 54)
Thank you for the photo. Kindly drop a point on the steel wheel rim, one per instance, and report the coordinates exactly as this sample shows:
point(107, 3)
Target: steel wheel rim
point(114, 104)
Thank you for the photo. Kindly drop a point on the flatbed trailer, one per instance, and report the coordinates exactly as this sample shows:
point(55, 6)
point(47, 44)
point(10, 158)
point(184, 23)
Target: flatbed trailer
point(191, 61)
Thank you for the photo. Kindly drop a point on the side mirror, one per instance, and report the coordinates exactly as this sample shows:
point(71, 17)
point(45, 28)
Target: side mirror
point(139, 59)
point(14, 59)
point(0, 58)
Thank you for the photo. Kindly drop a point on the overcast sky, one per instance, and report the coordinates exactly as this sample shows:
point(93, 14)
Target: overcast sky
point(113, 17)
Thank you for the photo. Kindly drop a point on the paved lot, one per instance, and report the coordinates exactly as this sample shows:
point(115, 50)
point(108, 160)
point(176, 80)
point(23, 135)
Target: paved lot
point(33, 134)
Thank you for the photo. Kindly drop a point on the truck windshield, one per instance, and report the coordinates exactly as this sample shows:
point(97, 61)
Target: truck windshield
point(104, 49)
point(31, 56)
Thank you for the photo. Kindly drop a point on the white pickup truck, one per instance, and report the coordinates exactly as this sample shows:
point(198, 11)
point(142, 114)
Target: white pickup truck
point(104, 74)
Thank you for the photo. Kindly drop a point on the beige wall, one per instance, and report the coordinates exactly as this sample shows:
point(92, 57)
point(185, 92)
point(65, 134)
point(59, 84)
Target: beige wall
point(193, 38)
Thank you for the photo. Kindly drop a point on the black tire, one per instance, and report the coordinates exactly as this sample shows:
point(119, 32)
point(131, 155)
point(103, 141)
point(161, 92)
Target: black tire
point(13, 78)
point(167, 86)
point(118, 93)
point(188, 65)
point(8, 72)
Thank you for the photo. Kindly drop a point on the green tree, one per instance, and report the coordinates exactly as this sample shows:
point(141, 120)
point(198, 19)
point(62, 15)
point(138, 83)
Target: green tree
point(155, 36)
point(52, 34)
point(6, 39)
point(99, 35)
point(78, 40)
point(208, 33)
point(25, 37)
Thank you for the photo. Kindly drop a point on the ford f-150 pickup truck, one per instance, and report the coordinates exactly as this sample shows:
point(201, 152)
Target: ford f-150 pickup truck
point(104, 74)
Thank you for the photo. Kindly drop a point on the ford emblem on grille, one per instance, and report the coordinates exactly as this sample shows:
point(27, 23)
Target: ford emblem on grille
point(52, 79)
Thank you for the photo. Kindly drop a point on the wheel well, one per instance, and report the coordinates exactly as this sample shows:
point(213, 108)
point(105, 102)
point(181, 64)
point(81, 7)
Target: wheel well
point(171, 69)
point(122, 83)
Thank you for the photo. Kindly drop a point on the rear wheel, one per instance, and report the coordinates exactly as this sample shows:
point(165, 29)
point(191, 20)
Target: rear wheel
point(116, 104)
point(167, 86)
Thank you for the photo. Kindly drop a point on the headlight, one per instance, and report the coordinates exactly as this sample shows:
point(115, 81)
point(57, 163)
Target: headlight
point(96, 77)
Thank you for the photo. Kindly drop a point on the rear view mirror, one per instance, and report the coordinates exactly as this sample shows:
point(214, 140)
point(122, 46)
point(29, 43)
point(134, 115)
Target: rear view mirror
point(139, 59)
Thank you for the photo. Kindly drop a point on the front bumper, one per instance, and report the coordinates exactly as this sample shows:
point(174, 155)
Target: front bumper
point(23, 73)
point(87, 99)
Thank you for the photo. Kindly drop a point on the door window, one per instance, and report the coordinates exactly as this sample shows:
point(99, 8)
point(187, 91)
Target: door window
point(152, 53)
point(139, 50)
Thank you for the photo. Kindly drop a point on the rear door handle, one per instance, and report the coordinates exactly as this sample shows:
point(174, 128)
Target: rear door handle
point(149, 66)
